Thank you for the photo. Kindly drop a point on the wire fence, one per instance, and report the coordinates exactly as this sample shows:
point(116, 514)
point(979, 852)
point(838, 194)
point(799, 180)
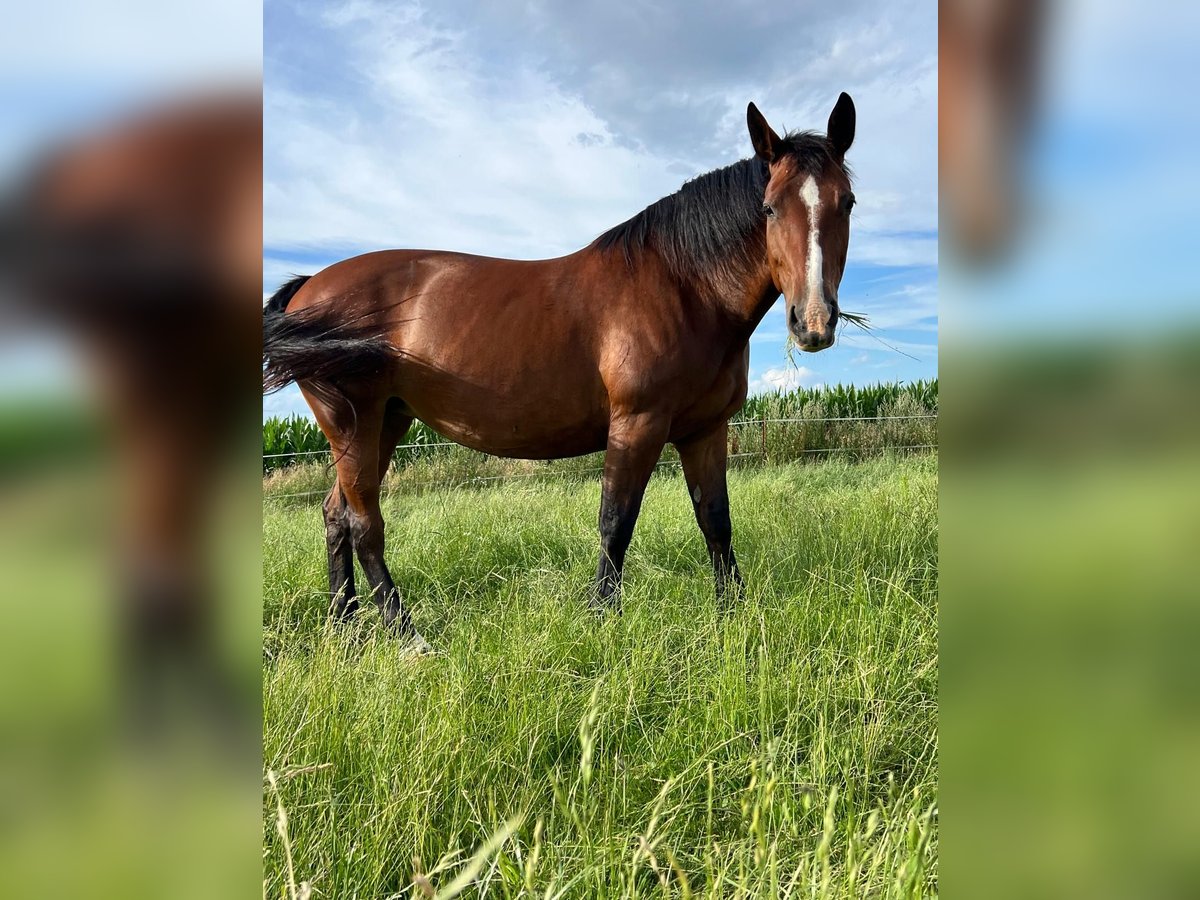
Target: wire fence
point(763, 440)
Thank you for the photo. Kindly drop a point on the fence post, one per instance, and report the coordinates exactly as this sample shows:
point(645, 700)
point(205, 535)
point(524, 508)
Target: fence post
point(763, 425)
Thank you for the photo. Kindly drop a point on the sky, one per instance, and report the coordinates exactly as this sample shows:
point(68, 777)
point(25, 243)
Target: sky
point(526, 129)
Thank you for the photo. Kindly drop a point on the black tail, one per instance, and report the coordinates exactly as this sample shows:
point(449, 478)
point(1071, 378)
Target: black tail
point(282, 297)
point(318, 345)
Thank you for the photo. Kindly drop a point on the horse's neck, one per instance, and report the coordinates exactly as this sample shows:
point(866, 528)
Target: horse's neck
point(745, 300)
point(762, 297)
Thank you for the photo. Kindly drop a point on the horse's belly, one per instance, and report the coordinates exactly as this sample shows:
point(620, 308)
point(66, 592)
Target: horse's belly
point(522, 415)
point(522, 436)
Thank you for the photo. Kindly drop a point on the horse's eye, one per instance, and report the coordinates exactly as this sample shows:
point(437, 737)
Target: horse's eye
point(769, 210)
point(849, 203)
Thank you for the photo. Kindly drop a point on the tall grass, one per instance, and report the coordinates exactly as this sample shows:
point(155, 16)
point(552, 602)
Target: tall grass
point(783, 747)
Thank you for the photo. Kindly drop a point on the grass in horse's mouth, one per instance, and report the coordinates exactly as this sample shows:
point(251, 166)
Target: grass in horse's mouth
point(864, 323)
point(859, 319)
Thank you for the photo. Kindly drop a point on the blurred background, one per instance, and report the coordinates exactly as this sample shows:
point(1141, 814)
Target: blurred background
point(130, 268)
point(1069, 471)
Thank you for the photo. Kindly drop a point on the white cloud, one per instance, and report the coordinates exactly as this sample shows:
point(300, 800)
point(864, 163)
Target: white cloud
point(883, 249)
point(436, 153)
point(784, 378)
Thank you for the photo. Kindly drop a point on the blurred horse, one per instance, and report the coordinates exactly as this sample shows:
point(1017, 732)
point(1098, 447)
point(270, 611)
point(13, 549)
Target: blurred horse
point(141, 239)
point(988, 82)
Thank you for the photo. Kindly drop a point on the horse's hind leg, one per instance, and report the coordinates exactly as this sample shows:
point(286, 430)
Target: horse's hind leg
point(339, 543)
point(395, 426)
point(362, 445)
point(360, 474)
point(396, 423)
point(339, 546)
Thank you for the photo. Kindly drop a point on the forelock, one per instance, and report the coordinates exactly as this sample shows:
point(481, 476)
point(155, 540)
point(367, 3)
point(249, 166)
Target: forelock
point(811, 153)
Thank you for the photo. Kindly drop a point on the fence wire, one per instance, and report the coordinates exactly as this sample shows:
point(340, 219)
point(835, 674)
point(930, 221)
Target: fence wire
point(586, 473)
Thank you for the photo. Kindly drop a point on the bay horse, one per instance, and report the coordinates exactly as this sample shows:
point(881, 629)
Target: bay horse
point(639, 339)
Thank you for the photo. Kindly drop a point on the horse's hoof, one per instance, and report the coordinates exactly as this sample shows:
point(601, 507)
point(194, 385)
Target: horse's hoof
point(416, 647)
point(602, 609)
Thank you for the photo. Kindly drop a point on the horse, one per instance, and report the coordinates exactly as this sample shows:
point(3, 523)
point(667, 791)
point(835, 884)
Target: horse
point(638, 339)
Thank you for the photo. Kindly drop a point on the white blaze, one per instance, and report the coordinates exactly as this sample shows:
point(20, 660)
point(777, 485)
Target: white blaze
point(814, 268)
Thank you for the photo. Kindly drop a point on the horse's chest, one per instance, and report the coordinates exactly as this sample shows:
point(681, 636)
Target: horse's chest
point(716, 398)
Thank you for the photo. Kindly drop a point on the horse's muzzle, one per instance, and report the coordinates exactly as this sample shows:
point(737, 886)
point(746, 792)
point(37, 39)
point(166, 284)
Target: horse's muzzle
point(810, 340)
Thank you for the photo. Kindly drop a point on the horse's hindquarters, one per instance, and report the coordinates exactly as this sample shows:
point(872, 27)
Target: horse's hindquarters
point(498, 355)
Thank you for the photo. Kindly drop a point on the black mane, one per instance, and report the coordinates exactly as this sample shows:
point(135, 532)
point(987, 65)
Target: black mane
point(712, 226)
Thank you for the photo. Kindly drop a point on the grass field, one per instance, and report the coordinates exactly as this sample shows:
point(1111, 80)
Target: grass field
point(784, 747)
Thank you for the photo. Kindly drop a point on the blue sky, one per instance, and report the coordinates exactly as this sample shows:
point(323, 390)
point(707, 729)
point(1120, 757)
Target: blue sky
point(524, 130)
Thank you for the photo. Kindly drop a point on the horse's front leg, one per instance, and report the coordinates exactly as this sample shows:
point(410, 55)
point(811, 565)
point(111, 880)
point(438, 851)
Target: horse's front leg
point(634, 446)
point(704, 462)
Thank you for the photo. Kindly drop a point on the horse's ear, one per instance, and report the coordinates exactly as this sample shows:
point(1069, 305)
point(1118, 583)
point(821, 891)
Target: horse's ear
point(840, 129)
point(766, 142)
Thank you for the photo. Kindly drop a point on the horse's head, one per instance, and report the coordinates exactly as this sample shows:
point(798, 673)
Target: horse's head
point(807, 203)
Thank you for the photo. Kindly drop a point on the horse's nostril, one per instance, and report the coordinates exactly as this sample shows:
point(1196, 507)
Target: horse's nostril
point(794, 321)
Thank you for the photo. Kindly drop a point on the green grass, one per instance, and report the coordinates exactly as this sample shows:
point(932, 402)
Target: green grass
point(785, 747)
